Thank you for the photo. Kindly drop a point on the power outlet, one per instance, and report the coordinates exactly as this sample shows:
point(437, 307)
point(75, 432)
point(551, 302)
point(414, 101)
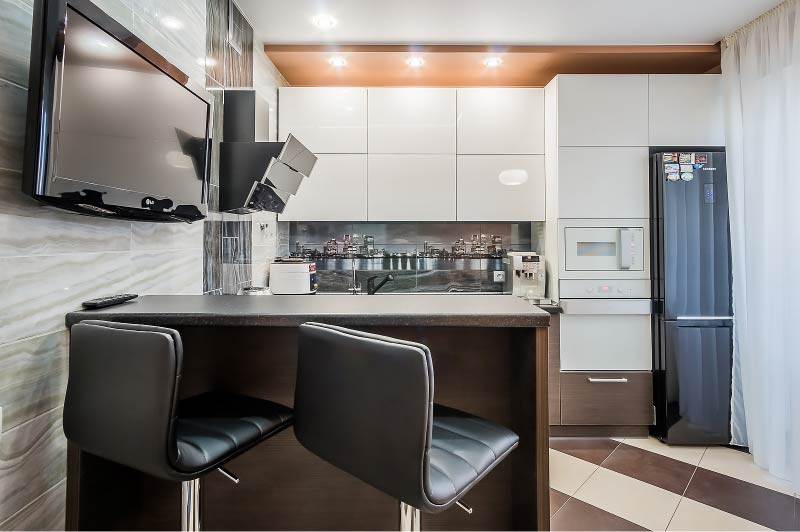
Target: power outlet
point(499, 277)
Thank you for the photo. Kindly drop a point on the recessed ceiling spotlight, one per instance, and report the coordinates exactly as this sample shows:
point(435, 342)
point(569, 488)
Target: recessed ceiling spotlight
point(492, 62)
point(324, 21)
point(415, 62)
point(171, 22)
point(337, 61)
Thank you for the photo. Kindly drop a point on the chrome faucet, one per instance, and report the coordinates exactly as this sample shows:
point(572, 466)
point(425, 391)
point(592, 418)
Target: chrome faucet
point(355, 288)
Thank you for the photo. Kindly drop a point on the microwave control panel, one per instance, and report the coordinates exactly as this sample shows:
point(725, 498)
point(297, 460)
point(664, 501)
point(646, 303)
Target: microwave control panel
point(604, 289)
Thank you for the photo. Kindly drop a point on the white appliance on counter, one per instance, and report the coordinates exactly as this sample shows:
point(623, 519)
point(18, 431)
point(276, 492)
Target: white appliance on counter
point(290, 276)
point(525, 275)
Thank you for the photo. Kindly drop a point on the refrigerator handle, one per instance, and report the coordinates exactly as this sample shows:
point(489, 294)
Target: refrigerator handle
point(625, 242)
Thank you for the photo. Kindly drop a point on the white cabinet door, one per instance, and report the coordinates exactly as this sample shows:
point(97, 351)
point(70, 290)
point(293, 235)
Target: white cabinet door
point(412, 187)
point(602, 110)
point(482, 197)
point(500, 120)
point(412, 120)
point(686, 110)
point(325, 119)
point(603, 182)
point(336, 191)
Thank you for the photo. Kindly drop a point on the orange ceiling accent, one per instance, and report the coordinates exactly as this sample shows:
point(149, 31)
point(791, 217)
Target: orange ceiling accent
point(462, 66)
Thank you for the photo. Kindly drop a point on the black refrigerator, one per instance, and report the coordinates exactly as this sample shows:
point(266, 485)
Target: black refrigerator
point(692, 307)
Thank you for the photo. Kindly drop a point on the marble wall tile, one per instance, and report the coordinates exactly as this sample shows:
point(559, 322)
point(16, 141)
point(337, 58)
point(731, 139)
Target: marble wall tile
point(47, 512)
point(33, 459)
point(119, 10)
point(216, 27)
point(13, 103)
point(148, 236)
point(33, 377)
point(238, 49)
point(15, 25)
point(38, 291)
point(166, 272)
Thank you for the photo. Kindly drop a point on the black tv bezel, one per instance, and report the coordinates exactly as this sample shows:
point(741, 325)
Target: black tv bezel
point(47, 41)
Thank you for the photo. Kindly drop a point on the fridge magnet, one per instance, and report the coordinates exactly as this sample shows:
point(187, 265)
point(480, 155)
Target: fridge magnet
point(673, 176)
point(687, 168)
point(687, 176)
point(672, 168)
point(701, 158)
point(686, 158)
point(670, 157)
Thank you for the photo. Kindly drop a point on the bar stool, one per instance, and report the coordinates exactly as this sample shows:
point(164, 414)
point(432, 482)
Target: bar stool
point(122, 405)
point(364, 403)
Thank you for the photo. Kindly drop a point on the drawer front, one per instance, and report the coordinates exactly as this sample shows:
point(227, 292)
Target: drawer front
point(595, 398)
point(608, 341)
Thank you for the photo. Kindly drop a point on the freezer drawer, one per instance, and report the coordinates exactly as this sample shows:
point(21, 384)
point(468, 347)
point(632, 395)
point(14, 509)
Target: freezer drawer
point(603, 398)
point(606, 335)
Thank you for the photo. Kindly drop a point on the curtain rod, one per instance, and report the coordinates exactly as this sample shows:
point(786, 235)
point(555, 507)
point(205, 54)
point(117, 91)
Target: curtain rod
point(733, 37)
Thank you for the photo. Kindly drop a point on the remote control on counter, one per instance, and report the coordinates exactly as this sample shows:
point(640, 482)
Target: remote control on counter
point(103, 302)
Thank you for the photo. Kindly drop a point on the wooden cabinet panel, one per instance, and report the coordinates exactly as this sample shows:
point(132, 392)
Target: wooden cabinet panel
point(495, 120)
point(325, 119)
point(553, 371)
point(412, 120)
point(606, 399)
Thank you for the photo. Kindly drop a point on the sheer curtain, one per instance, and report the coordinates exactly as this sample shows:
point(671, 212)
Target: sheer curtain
point(761, 74)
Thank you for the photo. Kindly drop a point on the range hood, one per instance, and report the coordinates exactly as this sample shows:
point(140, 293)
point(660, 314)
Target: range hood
point(255, 175)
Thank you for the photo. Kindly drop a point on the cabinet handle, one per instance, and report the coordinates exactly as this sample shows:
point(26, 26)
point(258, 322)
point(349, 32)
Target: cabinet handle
point(595, 379)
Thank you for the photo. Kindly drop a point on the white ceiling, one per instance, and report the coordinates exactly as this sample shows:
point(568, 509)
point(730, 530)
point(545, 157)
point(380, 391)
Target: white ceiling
point(523, 22)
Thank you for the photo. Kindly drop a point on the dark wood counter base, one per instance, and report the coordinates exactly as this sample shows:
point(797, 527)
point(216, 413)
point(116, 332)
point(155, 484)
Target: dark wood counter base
point(496, 373)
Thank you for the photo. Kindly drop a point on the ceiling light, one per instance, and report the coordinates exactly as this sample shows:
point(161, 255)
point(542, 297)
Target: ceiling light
point(337, 61)
point(325, 22)
point(513, 177)
point(415, 62)
point(171, 22)
point(492, 62)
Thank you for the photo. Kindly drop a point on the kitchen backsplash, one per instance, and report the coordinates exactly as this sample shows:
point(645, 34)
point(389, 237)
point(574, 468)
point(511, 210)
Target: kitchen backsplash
point(422, 257)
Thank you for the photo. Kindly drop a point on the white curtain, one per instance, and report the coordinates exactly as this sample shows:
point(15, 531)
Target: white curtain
point(761, 73)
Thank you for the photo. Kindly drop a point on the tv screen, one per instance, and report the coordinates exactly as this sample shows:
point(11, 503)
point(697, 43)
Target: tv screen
point(116, 130)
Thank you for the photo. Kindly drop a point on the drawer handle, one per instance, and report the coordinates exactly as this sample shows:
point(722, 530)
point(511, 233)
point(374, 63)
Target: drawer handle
point(595, 379)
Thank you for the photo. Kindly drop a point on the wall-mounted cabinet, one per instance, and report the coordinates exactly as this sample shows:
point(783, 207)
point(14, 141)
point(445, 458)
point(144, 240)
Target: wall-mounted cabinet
point(325, 119)
point(418, 187)
point(412, 120)
point(686, 110)
point(482, 197)
point(602, 110)
point(336, 191)
point(500, 120)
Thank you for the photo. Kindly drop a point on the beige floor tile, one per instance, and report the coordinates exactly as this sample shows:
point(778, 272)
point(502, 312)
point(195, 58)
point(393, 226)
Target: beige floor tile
point(641, 503)
point(740, 465)
point(690, 454)
point(693, 515)
point(567, 473)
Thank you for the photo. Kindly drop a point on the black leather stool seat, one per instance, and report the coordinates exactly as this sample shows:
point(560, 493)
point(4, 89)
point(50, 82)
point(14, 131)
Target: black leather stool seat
point(212, 428)
point(464, 448)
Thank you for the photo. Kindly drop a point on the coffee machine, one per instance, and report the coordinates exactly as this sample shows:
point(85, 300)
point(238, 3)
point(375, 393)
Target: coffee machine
point(525, 275)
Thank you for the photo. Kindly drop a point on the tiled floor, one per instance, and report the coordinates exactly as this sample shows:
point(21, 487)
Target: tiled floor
point(642, 484)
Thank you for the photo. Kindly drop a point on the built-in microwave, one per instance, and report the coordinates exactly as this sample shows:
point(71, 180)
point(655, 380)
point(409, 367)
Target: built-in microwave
point(605, 249)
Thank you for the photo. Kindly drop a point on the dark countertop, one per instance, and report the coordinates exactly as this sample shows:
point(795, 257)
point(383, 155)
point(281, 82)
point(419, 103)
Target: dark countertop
point(457, 310)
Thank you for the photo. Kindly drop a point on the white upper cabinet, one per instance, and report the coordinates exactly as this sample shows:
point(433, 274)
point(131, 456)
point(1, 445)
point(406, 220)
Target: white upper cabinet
point(336, 191)
point(412, 120)
point(602, 110)
point(607, 182)
point(500, 121)
point(686, 110)
point(412, 187)
point(482, 197)
point(325, 119)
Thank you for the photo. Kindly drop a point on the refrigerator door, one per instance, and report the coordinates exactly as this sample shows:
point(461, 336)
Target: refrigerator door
point(695, 251)
point(696, 384)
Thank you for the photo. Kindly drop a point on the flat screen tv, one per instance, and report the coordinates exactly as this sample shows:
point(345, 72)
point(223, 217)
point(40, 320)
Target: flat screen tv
point(113, 128)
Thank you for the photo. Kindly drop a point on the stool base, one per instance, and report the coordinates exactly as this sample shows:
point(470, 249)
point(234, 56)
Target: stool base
point(190, 505)
point(409, 518)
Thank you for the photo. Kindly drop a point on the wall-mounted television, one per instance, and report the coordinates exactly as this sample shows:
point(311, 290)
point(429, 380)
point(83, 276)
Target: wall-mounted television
point(113, 128)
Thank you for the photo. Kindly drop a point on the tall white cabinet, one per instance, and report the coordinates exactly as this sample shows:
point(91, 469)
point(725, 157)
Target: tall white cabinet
point(686, 110)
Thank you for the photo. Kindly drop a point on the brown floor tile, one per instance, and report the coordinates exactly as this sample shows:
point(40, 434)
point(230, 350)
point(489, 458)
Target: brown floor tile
point(577, 515)
point(655, 469)
point(593, 450)
point(557, 500)
point(749, 501)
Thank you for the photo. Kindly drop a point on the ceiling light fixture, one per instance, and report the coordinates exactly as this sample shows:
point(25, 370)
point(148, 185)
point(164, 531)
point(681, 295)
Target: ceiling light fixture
point(325, 22)
point(415, 62)
point(337, 61)
point(171, 22)
point(492, 62)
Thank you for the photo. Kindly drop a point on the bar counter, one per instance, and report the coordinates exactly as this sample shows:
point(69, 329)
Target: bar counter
point(489, 358)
